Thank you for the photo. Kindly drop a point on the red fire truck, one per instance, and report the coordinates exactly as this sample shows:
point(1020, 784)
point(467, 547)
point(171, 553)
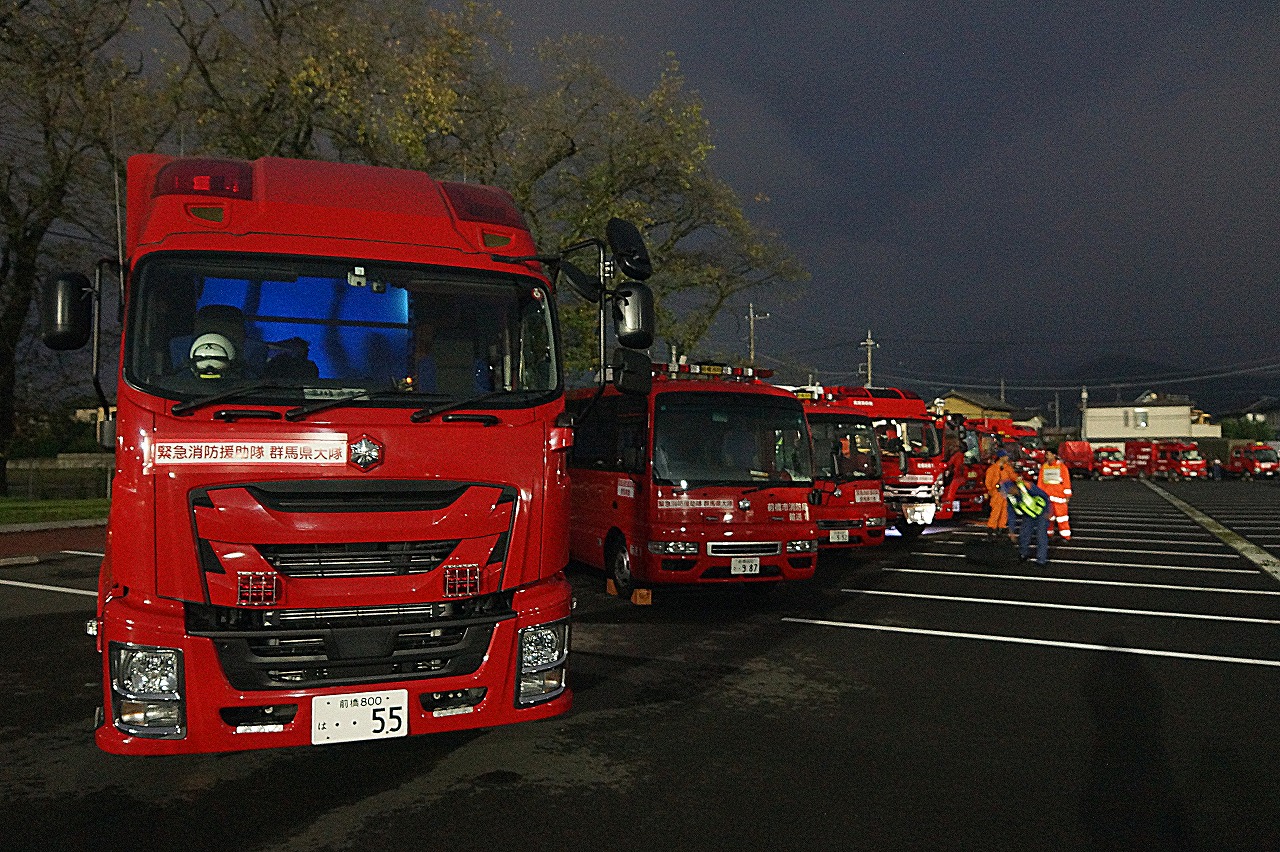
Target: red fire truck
point(911, 454)
point(1109, 463)
point(1170, 460)
point(339, 508)
point(705, 480)
point(851, 511)
point(1251, 461)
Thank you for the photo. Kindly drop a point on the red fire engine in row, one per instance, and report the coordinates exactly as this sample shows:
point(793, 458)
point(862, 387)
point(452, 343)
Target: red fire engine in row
point(911, 455)
point(339, 508)
point(706, 479)
point(1170, 460)
point(1252, 461)
point(850, 512)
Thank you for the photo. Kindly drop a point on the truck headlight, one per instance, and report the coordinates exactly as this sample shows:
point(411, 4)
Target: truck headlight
point(674, 548)
point(147, 690)
point(806, 546)
point(544, 655)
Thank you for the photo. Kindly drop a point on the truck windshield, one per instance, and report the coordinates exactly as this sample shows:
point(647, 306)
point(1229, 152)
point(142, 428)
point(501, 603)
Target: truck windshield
point(844, 447)
point(916, 438)
point(1190, 455)
point(730, 439)
point(1265, 455)
point(1109, 455)
point(297, 329)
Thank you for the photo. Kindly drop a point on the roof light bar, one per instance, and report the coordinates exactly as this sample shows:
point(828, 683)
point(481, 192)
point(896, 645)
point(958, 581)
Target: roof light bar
point(711, 371)
point(218, 178)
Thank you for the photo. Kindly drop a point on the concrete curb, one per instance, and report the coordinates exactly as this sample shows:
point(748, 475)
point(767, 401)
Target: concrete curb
point(52, 525)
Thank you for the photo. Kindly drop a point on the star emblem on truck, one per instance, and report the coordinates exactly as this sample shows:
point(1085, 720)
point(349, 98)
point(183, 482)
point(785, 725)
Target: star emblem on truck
point(366, 453)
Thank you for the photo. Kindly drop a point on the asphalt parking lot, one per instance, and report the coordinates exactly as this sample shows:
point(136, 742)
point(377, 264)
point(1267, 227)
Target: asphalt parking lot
point(1123, 697)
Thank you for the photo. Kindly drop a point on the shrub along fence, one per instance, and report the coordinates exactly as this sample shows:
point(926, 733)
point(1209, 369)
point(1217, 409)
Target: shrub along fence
point(70, 476)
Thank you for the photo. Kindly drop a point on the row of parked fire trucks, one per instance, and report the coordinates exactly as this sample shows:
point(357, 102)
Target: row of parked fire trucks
point(348, 477)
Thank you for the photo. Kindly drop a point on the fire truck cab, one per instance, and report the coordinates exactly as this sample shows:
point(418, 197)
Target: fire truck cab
point(1252, 461)
point(1109, 463)
point(851, 511)
point(706, 480)
point(339, 508)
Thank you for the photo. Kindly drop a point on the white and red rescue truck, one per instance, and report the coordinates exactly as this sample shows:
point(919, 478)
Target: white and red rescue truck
point(1252, 461)
point(851, 511)
point(707, 479)
point(340, 502)
point(911, 454)
point(1109, 463)
point(970, 446)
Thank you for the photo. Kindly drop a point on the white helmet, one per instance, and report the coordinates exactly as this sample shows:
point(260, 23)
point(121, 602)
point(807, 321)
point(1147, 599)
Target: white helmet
point(211, 356)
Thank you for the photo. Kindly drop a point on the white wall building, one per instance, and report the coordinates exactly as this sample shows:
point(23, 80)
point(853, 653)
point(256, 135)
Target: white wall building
point(1149, 418)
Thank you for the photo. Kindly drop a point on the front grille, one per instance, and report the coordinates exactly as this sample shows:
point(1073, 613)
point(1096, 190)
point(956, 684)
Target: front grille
point(373, 559)
point(744, 548)
point(349, 496)
point(261, 650)
point(855, 524)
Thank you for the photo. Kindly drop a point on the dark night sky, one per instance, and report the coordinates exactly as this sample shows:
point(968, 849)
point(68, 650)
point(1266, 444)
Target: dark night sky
point(1099, 179)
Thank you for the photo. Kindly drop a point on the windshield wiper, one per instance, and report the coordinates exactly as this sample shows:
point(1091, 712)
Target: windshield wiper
point(183, 408)
point(422, 415)
point(302, 411)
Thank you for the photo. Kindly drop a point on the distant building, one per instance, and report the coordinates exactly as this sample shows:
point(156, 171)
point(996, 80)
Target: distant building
point(1151, 416)
point(975, 405)
point(1265, 410)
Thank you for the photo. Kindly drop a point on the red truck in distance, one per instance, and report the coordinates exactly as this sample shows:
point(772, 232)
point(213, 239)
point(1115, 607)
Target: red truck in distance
point(339, 508)
point(705, 480)
point(1252, 461)
point(850, 512)
point(1171, 460)
point(1109, 463)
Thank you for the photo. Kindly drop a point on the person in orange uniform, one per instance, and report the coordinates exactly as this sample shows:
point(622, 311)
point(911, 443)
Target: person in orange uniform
point(1055, 480)
point(999, 472)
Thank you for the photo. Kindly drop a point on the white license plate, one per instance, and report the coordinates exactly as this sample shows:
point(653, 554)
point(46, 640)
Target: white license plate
point(359, 716)
point(839, 536)
point(744, 565)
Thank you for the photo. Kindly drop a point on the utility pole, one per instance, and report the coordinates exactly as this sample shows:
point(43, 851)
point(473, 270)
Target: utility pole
point(752, 316)
point(1002, 389)
point(868, 345)
point(1057, 411)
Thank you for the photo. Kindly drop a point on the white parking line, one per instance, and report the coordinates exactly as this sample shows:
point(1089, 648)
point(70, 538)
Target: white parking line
point(1060, 561)
point(45, 588)
point(1074, 607)
point(1078, 581)
point(1021, 640)
point(1075, 547)
point(1246, 548)
point(81, 553)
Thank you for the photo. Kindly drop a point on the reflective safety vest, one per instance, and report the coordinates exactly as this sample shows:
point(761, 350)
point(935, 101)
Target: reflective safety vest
point(1025, 503)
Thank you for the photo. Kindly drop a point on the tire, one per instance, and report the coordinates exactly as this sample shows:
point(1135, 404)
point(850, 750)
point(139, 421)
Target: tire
point(619, 567)
point(1246, 476)
point(1173, 477)
point(908, 531)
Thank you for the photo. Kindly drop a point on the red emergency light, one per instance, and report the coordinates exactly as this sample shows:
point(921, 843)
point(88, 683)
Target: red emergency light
point(474, 203)
point(218, 178)
point(711, 371)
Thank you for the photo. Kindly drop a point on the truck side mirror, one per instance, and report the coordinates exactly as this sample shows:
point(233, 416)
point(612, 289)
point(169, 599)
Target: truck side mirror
point(632, 372)
point(628, 249)
point(586, 286)
point(66, 312)
point(633, 315)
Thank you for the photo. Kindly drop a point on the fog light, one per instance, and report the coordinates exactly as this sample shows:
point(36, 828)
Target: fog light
point(808, 546)
point(875, 522)
point(151, 714)
point(538, 686)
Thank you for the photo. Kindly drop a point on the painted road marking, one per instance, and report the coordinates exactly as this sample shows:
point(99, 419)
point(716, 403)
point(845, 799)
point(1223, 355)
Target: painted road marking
point(81, 553)
point(1078, 581)
point(1021, 640)
point(1057, 561)
point(1075, 548)
point(45, 588)
point(1242, 545)
point(1074, 607)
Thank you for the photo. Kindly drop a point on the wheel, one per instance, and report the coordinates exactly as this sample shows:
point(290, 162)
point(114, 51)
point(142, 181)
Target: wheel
point(1246, 476)
point(908, 531)
point(1173, 477)
point(1097, 477)
point(620, 570)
